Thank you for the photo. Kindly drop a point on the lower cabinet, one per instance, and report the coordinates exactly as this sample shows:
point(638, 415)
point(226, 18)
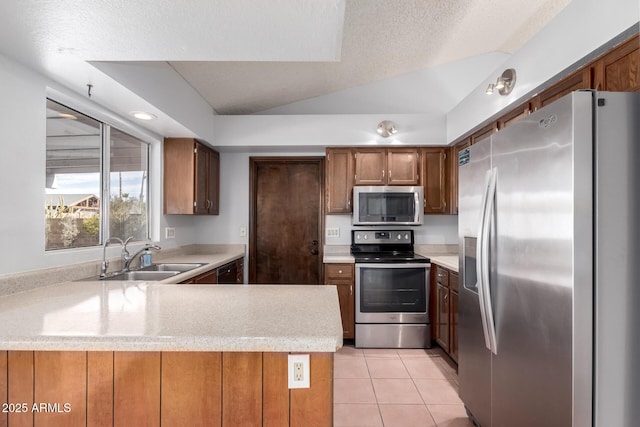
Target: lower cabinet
point(445, 319)
point(230, 273)
point(343, 277)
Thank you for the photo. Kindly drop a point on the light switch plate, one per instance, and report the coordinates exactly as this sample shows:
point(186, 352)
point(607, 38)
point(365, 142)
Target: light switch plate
point(169, 233)
point(333, 232)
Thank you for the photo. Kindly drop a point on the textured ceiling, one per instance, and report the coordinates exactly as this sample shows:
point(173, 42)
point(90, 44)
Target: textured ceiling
point(248, 56)
point(381, 39)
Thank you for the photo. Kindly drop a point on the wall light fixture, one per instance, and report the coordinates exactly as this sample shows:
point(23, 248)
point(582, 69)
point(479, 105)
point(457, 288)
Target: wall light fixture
point(505, 83)
point(387, 128)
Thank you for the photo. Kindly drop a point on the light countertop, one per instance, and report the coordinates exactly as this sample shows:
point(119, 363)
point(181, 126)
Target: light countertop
point(446, 261)
point(140, 316)
point(96, 315)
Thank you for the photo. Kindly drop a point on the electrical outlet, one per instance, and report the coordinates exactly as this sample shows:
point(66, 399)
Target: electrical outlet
point(169, 233)
point(243, 231)
point(333, 232)
point(299, 371)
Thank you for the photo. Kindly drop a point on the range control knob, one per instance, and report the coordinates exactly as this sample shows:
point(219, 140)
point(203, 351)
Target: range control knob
point(357, 236)
point(406, 236)
point(366, 236)
point(399, 236)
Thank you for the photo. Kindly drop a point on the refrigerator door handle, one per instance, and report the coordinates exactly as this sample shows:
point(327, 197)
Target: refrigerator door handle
point(480, 262)
point(485, 260)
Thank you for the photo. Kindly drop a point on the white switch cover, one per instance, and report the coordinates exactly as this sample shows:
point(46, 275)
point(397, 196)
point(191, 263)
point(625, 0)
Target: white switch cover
point(299, 371)
point(243, 231)
point(333, 232)
point(169, 233)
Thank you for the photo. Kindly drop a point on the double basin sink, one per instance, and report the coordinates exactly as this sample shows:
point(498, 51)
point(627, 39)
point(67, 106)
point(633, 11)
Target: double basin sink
point(154, 272)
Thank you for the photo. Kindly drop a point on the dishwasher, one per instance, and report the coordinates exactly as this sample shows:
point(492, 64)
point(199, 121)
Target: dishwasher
point(228, 273)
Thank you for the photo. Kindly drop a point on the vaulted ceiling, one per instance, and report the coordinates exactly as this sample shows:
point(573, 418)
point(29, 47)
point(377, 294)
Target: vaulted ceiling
point(251, 56)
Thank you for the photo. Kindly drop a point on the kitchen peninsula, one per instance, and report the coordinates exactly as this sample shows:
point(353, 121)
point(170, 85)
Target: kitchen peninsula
point(135, 353)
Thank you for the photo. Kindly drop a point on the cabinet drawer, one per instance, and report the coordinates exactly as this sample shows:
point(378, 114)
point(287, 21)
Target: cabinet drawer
point(339, 271)
point(442, 276)
point(453, 281)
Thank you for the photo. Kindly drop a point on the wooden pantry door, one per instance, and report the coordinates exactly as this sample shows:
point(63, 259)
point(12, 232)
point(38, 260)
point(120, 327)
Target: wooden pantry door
point(286, 220)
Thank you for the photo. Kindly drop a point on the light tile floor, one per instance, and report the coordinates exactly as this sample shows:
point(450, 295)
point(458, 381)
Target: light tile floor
point(396, 388)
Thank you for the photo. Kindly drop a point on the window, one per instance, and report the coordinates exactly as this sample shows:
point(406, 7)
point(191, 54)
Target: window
point(87, 162)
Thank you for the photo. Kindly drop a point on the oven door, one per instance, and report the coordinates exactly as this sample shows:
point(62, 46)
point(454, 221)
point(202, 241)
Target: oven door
point(392, 293)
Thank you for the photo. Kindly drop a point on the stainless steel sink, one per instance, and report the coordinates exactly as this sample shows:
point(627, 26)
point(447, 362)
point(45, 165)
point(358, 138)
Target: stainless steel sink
point(179, 267)
point(143, 275)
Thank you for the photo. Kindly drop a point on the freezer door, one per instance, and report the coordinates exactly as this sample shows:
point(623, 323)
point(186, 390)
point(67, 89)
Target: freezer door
point(474, 359)
point(542, 165)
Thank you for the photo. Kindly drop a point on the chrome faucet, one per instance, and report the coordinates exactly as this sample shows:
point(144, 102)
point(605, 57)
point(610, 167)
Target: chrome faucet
point(105, 261)
point(128, 259)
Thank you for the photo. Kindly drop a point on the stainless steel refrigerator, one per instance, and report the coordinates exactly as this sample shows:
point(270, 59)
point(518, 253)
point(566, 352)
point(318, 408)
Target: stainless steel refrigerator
point(549, 310)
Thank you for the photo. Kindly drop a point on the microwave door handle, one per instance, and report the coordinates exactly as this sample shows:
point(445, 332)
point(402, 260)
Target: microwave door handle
point(480, 262)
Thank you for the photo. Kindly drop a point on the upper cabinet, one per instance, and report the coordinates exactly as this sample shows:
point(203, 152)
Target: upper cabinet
point(435, 179)
point(387, 166)
point(191, 177)
point(619, 70)
point(339, 180)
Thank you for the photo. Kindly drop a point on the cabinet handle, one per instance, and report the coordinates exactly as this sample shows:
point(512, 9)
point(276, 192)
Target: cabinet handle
point(339, 271)
point(446, 299)
point(350, 289)
point(382, 173)
point(389, 174)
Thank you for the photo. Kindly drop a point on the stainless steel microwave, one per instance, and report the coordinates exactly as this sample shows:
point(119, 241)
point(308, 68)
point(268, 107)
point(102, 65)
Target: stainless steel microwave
point(388, 205)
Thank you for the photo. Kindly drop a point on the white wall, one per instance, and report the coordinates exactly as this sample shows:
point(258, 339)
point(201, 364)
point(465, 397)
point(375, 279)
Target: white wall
point(582, 27)
point(234, 209)
point(22, 178)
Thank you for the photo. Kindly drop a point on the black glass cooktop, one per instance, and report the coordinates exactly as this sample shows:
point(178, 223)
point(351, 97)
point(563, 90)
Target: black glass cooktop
point(389, 258)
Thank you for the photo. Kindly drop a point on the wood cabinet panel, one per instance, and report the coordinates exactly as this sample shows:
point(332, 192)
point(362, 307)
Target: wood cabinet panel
point(191, 388)
point(484, 133)
point(403, 165)
point(453, 174)
point(60, 379)
point(579, 80)
point(513, 116)
point(339, 180)
point(343, 277)
point(275, 390)
point(619, 70)
point(434, 179)
point(453, 325)
point(100, 388)
point(3, 387)
point(370, 165)
point(136, 389)
point(168, 389)
point(242, 379)
point(20, 379)
point(191, 177)
point(209, 277)
point(442, 317)
point(314, 406)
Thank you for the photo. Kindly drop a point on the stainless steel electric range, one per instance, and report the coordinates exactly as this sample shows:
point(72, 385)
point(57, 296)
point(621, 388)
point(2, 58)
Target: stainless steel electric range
point(392, 290)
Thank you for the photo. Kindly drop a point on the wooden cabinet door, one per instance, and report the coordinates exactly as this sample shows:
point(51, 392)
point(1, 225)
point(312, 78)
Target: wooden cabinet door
point(442, 316)
point(370, 166)
point(403, 166)
point(453, 325)
point(434, 179)
point(339, 180)
point(202, 178)
point(619, 70)
point(579, 80)
point(343, 277)
point(213, 182)
point(347, 308)
point(453, 174)
point(210, 277)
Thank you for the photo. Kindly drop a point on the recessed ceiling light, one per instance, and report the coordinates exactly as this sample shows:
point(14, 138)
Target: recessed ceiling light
point(143, 115)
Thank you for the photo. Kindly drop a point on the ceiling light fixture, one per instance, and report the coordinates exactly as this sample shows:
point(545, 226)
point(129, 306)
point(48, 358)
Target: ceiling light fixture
point(504, 84)
point(143, 115)
point(387, 128)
